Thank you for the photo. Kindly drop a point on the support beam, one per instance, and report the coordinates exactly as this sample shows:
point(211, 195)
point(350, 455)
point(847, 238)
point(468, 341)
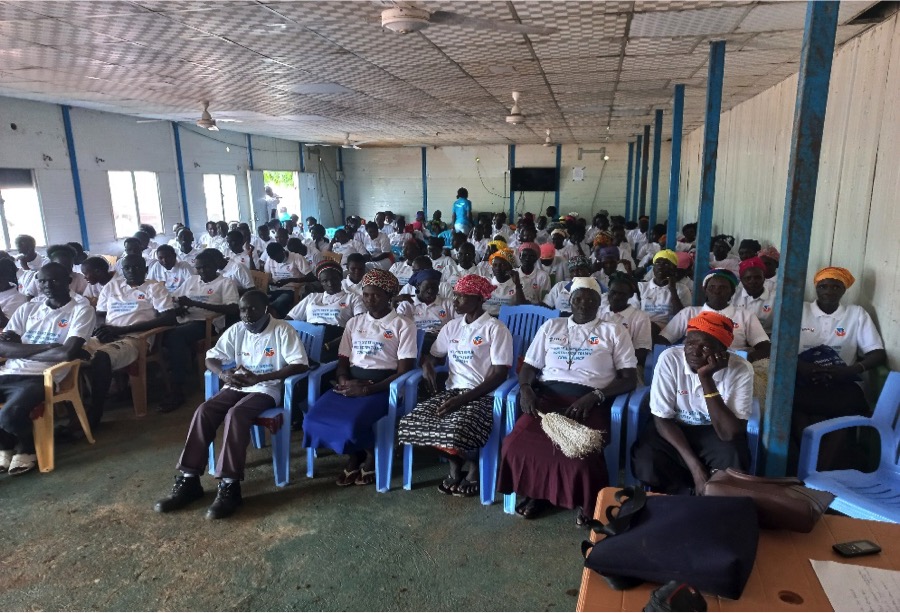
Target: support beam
point(628, 181)
point(510, 164)
point(675, 167)
point(710, 153)
point(250, 152)
point(76, 178)
point(302, 161)
point(803, 172)
point(637, 178)
point(558, 176)
point(340, 169)
point(425, 182)
point(645, 170)
point(181, 183)
point(657, 149)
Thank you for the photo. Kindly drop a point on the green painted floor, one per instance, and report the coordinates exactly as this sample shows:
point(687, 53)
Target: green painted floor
point(85, 537)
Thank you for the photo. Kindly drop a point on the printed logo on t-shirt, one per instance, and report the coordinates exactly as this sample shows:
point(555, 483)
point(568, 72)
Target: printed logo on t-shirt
point(342, 304)
point(209, 292)
point(63, 323)
point(442, 313)
point(141, 296)
point(840, 331)
point(767, 308)
point(511, 292)
point(736, 325)
point(682, 392)
point(595, 340)
point(388, 334)
point(269, 352)
point(477, 340)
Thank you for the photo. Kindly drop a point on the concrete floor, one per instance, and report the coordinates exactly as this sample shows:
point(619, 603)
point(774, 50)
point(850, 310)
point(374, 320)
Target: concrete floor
point(85, 537)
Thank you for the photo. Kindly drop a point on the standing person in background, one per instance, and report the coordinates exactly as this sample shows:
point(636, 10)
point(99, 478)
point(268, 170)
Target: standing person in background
point(461, 218)
point(272, 199)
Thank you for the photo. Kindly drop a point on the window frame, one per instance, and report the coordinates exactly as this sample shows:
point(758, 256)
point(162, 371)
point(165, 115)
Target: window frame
point(4, 226)
point(136, 199)
point(221, 203)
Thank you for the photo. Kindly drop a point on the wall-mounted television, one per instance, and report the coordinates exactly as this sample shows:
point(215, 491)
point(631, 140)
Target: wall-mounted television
point(534, 179)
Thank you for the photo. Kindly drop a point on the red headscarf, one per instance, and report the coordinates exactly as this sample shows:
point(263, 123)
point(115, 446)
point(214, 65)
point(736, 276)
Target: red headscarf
point(754, 262)
point(474, 285)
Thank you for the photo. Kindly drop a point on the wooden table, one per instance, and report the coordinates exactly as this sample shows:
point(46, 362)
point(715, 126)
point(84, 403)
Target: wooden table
point(782, 577)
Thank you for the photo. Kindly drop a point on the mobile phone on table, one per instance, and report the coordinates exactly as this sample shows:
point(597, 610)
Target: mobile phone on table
point(852, 549)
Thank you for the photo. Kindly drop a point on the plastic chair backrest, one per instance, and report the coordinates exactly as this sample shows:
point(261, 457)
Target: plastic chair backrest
point(313, 336)
point(447, 235)
point(650, 362)
point(887, 419)
point(523, 322)
point(261, 280)
point(329, 232)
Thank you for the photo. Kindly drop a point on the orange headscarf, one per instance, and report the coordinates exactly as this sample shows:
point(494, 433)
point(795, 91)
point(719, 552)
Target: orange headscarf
point(835, 272)
point(716, 325)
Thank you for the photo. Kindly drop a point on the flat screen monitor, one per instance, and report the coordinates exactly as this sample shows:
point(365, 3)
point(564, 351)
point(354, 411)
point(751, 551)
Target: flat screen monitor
point(534, 179)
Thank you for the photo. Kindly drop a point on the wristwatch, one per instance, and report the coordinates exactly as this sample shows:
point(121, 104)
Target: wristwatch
point(600, 395)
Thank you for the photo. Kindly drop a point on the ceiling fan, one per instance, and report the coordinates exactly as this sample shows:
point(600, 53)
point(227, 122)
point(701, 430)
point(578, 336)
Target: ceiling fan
point(349, 144)
point(547, 141)
point(406, 17)
point(206, 121)
point(515, 116)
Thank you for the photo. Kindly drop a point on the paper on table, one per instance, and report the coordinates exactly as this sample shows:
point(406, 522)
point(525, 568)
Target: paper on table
point(858, 588)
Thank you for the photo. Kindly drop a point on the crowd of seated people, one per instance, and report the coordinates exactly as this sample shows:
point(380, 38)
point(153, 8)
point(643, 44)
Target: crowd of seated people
point(374, 285)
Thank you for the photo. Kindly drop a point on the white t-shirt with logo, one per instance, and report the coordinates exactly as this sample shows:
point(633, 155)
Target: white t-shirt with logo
point(38, 324)
point(596, 350)
point(441, 263)
point(559, 297)
point(374, 247)
point(763, 307)
point(272, 349)
point(849, 331)
point(655, 300)
point(453, 274)
point(445, 290)
point(534, 285)
point(748, 332)
point(240, 258)
point(220, 290)
point(403, 271)
point(10, 300)
point(676, 393)
point(345, 249)
point(78, 284)
point(558, 268)
point(349, 286)
point(429, 317)
point(189, 258)
point(635, 322)
point(238, 273)
point(332, 309)
point(379, 344)
point(294, 266)
point(172, 278)
point(504, 293)
point(125, 305)
point(471, 349)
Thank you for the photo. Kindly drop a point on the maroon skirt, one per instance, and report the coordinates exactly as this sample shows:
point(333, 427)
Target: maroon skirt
point(531, 465)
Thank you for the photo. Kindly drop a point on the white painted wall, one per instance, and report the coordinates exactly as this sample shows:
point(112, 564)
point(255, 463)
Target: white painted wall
point(856, 212)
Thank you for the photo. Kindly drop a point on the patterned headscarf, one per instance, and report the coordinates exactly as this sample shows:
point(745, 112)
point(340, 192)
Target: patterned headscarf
point(533, 246)
point(426, 274)
point(548, 251)
point(474, 285)
point(383, 280)
point(716, 325)
point(504, 254)
point(499, 244)
point(327, 264)
point(666, 254)
point(578, 261)
point(604, 238)
point(753, 262)
point(724, 273)
point(837, 273)
point(771, 253)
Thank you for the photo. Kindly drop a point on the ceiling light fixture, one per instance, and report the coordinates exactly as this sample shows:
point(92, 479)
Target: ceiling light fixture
point(405, 19)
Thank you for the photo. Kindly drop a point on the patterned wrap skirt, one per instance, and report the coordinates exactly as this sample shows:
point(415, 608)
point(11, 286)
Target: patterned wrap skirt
point(344, 424)
point(465, 429)
point(531, 465)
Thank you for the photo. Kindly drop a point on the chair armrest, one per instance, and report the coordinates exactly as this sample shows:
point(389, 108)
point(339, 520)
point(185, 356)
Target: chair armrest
point(812, 438)
point(618, 408)
point(147, 334)
point(315, 381)
point(396, 389)
point(289, 384)
point(210, 384)
point(635, 400)
point(51, 371)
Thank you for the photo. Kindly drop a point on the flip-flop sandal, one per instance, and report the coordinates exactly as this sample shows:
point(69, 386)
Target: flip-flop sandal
point(348, 477)
point(366, 477)
point(446, 486)
point(472, 488)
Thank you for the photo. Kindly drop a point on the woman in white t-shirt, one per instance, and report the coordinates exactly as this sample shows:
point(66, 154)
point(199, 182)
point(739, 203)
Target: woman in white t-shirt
point(376, 348)
point(331, 309)
point(428, 309)
point(662, 296)
point(838, 343)
point(507, 285)
point(559, 295)
point(574, 366)
point(459, 419)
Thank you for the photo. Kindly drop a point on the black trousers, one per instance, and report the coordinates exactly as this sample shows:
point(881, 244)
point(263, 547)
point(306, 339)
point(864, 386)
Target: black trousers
point(19, 394)
point(656, 463)
point(178, 343)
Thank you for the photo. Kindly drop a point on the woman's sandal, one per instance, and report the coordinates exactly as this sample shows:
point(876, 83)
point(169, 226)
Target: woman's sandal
point(466, 489)
point(348, 477)
point(366, 477)
point(448, 484)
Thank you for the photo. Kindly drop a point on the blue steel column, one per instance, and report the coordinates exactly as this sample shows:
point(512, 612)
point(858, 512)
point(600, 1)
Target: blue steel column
point(511, 163)
point(654, 184)
point(675, 168)
point(425, 181)
point(710, 153)
point(803, 173)
point(628, 180)
point(645, 170)
point(558, 175)
point(250, 152)
point(180, 162)
point(340, 163)
point(302, 162)
point(637, 178)
point(76, 178)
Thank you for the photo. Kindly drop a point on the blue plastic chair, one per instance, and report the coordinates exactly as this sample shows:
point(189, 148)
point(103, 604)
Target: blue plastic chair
point(385, 428)
point(313, 336)
point(862, 495)
point(523, 321)
point(610, 452)
point(447, 235)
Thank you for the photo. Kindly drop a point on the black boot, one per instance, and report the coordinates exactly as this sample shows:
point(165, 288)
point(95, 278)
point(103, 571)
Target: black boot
point(228, 499)
point(185, 491)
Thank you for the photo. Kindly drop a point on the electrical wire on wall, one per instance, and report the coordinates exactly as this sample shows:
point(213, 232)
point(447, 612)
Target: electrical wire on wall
point(597, 190)
point(324, 168)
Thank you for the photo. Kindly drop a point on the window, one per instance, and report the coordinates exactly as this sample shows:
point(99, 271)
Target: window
point(135, 200)
point(221, 198)
point(20, 209)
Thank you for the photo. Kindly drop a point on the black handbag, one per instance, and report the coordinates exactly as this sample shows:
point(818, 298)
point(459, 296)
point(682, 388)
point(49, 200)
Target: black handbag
point(707, 542)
